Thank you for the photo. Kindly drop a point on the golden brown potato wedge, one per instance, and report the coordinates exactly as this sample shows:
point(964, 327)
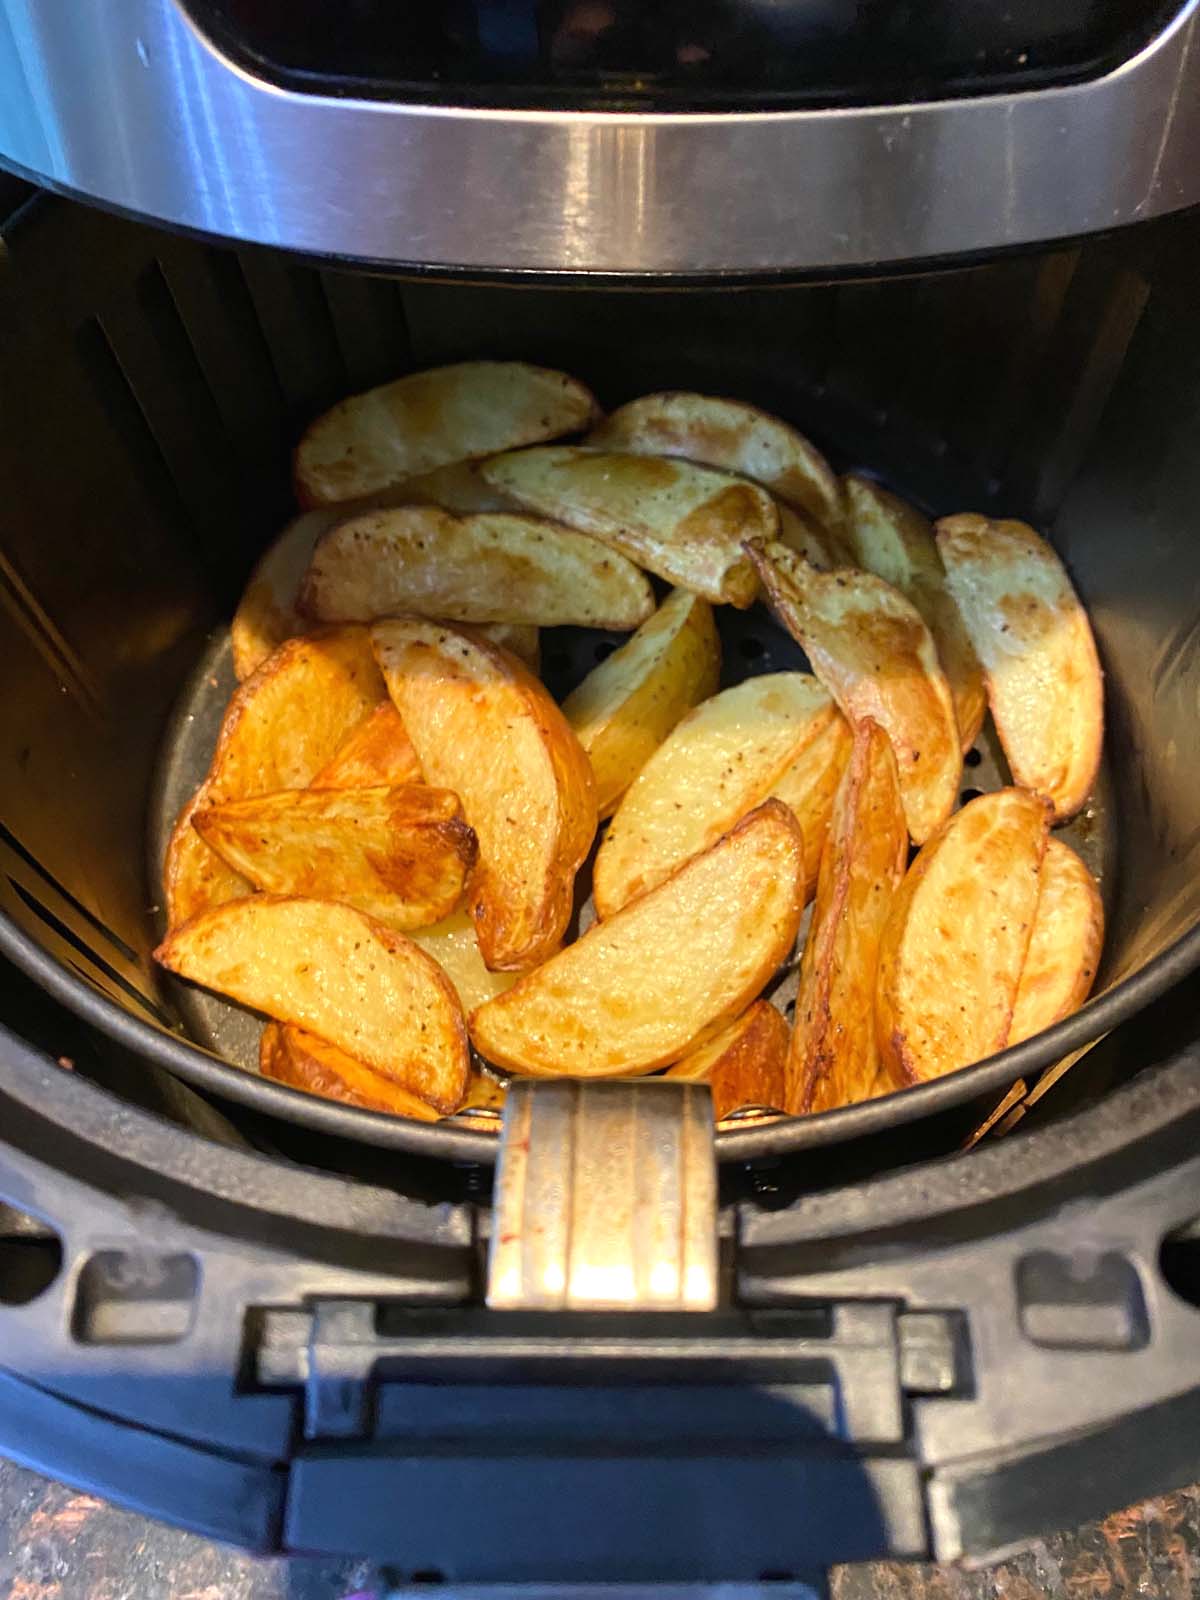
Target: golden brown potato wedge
point(665, 973)
point(378, 751)
point(402, 855)
point(956, 937)
point(485, 728)
point(454, 946)
point(335, 972)
point(487, 568)
point(807, 787)
point(432, 419)
point(1033, 637)
point(744, 1063)
point(281, 727)
point(722, 760)
point(833, 1059)
point(871, 649)
point(683, 522)
point(731, 435)
point(302, 1061)
point(894, 541)
point(625, 707)
point(1064, 947)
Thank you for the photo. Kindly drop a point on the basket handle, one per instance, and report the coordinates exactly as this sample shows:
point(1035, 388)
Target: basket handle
point(606, 1198)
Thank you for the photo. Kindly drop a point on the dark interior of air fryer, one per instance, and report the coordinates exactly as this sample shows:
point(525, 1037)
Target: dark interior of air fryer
point(154, 387)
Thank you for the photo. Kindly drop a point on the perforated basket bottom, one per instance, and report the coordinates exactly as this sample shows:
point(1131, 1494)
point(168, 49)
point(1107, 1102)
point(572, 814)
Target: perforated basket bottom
point(752, 643)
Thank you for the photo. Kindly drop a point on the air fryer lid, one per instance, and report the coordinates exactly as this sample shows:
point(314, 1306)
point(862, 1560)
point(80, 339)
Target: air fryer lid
point(686, 142)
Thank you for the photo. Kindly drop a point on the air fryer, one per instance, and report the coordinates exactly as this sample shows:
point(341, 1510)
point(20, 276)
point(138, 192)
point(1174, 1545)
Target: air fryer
point(262, 1314)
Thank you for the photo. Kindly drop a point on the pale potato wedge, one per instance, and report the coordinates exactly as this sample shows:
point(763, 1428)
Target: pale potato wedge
point(871, 649)
point(729, 434)
point(1064, 947)
point(894, 541)
point(403, 855)
point(485, 728)
point(807, 787)
point(1035, 642)
point(281, 727)
point(378, 751)
point(718, 763)
point(302, 1061)
point(665, 973)
point(459, 487)
point(487, 568)
point(433, 419)
point(454, 947)
point(626, 706)
point(335, 972)
point(744, 1064)
point(683, 522)
point(956, 937)
point(833, 1059)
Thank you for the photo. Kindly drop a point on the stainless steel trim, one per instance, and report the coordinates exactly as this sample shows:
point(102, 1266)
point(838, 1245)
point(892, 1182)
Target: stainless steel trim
point(606, 1198)
point(124, 102)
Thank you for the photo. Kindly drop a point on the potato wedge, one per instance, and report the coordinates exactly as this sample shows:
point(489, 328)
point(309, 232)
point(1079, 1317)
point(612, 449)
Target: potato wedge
point(455, 948)
point(403, 855)
point(378, 751)
point(485, 728)
point(302, 1061)
point(625, 707)
point(683, 522)
point(807, 787)
point(488, 568)
point(521, 638)
point(281, 727)
point(833, 1059)
point(430, 420)
point(731, 435)
point(744, 1064)
point(460, 488)
point(894, 541)
point(1064, 947)
point(722, 760)
point(871, 649)
point(267, 613)
point(1039, 658)
point(335, 972)
point(664, 974)
point(956, 937)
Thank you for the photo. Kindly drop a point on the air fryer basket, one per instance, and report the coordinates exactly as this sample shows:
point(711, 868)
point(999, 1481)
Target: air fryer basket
point(156, 385)
point(947, 1356)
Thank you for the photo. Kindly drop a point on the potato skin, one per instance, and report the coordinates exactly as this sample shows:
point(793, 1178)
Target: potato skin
point(833, 1059)
point(956, 937)
point(486, 729)
point(667, 971)
point(303, 1061)
point(745, 1064)
point(1064, 948)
